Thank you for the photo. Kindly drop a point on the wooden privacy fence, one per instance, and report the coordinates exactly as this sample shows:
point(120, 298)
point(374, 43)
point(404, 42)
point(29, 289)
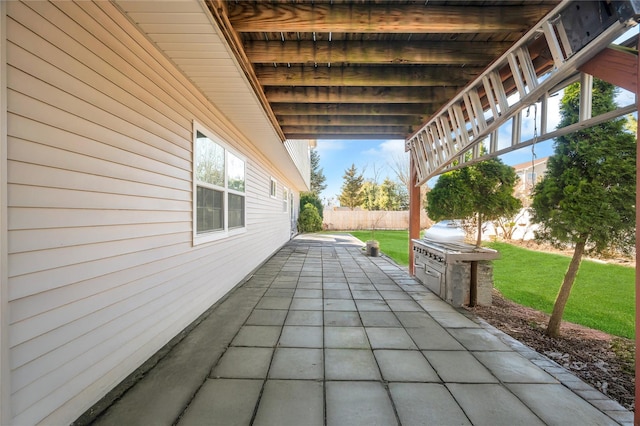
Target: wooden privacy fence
point(341, 220)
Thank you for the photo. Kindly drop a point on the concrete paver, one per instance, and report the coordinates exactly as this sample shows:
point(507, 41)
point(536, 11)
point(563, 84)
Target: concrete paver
point(304, 318)
point(359, 403)
point(426, 404)
point(372, 305)
point(555, 404)
point(433, 336)
point(306, 304)
point(267, 317)
point(389, 338)
point(298, 336)
point(291, 403)
point(345, 338)
point(459, 367)
point(257, 335)
point(350, 364)
point(342, 319)
point(223, 402)
point(493, 405)
point(297, 364)
point(405, 366)
point(339, 305)
point(321, 334)
point(510, 367)
point(379, 319)
point(476, 339)
point(244, 363)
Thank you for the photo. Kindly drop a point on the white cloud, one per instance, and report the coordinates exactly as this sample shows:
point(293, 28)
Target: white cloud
point(387, 149)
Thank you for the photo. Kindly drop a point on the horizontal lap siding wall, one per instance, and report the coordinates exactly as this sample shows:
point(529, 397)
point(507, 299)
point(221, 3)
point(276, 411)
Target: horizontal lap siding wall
point(102, 270)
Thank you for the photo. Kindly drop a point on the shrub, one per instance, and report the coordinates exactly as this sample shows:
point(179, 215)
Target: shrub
point(309, 220)
point(314, 199)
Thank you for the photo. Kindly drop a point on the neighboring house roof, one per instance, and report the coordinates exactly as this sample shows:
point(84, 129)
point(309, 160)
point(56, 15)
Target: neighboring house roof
point(527, 165)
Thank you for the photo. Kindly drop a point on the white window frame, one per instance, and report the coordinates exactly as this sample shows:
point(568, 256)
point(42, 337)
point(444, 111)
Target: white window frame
point(214, 235)
point(285, 199)
point(273, 188)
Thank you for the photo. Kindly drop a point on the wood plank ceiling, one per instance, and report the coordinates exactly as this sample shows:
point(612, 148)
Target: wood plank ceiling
point(367, 69)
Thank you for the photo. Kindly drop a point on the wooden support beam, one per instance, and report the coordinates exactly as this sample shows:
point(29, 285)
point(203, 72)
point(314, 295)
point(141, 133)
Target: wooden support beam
point(424, 109)
point(380, 18)
point(359, 95)
point(374, 52)
point(618, 66)
point(355, 136)
point(365, 76)
point(348, 120)
point(415, 208)
point(346, 131)
point(636, 416)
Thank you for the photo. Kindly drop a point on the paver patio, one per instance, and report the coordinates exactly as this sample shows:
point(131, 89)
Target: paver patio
point(323, 335)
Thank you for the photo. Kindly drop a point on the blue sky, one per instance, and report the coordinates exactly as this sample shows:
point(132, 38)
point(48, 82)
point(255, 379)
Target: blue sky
point(377, 157)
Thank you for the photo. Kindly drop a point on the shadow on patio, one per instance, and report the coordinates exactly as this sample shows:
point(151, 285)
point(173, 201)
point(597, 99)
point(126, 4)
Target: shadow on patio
point(322, 334)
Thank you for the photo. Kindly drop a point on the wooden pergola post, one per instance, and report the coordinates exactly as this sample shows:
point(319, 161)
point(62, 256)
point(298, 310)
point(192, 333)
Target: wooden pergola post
point(414, 211)
point(636, 416)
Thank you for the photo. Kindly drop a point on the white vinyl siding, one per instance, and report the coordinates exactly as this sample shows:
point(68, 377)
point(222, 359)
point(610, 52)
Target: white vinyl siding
point(102, 269)
point(298, 149)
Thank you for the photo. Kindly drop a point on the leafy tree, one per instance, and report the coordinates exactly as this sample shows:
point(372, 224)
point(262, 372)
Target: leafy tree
point(389, 195)
point(587, 197)
point(317, 183)
point(370, 194)
point(309, 219)
point(480, 192)
point(314, 199)
point(351, 195)
point(451, 197)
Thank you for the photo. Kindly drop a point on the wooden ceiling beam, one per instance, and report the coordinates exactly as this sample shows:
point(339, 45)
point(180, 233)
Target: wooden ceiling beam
point(248, 16)
point(353, 136)
point(365, 76)
point(374, 109)
point(348, 120)
point(350, 130)
point(359, 95)
point(374, 52)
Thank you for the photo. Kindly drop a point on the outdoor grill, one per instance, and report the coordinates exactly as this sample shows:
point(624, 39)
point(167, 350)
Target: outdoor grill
point(461, 274)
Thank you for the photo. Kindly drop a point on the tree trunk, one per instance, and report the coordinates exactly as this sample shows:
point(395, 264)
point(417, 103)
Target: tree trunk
point(553, 328)
point(479, 237)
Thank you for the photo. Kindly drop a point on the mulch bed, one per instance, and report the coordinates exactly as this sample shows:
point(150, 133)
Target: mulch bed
point(605, 362)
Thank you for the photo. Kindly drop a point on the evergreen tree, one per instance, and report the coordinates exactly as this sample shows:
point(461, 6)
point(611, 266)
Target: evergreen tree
point(351, 195)
point(587, 197)
point(312, 198)
point(317, 182)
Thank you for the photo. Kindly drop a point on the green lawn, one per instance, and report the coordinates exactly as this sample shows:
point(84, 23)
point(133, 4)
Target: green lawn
point(603, 296)
point(394, 244)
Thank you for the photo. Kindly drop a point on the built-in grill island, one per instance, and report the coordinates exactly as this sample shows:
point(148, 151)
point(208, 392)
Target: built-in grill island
point(460, 273)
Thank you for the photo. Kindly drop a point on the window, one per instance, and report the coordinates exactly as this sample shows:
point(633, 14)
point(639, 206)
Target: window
point(285, 200)
point(219, 187)
point(274, 188)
